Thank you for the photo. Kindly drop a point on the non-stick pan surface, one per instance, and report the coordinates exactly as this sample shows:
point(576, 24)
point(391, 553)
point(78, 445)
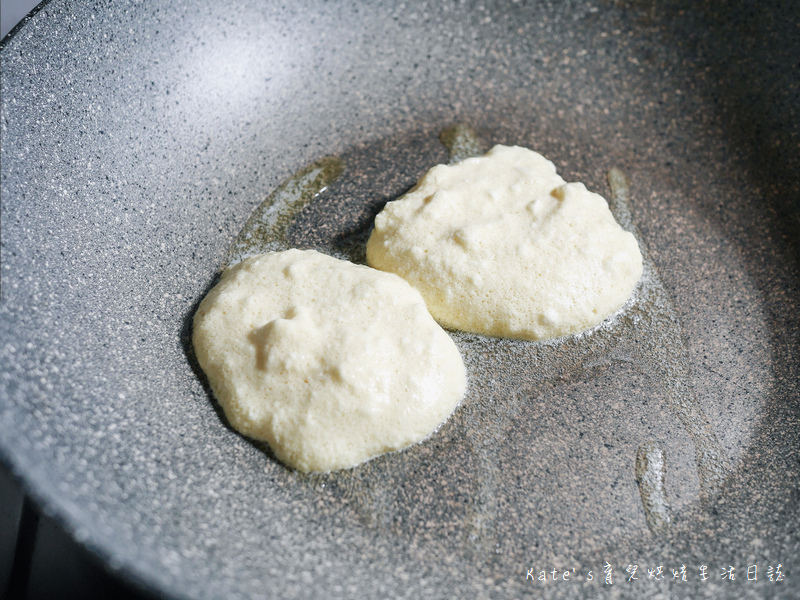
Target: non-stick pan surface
point(137, 138)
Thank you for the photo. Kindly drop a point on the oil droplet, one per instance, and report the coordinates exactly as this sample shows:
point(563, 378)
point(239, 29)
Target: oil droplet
point(651, 470)
point(265, 230)
point(461, 142)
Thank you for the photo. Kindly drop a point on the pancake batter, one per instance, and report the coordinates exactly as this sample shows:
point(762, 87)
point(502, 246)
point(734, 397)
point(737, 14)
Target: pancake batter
point(329, 362)
point(502, 245)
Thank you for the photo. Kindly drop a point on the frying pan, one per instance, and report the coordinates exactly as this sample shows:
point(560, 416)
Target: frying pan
point(137, 138)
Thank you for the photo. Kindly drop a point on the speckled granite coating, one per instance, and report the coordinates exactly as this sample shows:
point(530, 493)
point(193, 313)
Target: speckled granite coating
point(137, 138)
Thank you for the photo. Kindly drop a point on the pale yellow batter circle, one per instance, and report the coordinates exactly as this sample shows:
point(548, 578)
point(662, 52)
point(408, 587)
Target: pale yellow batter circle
point(329, 362)
point(502, 245)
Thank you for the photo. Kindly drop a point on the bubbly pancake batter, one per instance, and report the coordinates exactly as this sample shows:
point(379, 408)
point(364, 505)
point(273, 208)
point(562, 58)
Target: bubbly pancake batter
point(502, 245)
point(329, 362)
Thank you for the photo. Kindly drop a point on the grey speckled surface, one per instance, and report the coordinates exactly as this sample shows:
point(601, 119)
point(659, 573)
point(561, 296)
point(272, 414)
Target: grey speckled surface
point(138, 137)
